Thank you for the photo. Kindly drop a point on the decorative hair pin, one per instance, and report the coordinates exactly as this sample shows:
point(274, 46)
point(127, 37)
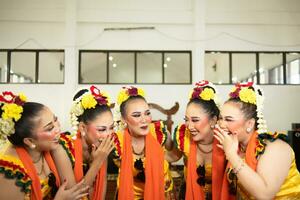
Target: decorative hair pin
point(204, 90)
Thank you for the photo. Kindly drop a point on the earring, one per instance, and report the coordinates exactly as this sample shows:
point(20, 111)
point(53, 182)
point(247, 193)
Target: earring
point(33, 146)
point(82, 134)
point(212, 126)
point(248, 130)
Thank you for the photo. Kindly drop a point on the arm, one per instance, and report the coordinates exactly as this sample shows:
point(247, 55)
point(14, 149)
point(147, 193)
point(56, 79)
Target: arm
point(272, 169)
point(173, 155)
point(63, 165)
point(9, 190)
point(99, 156)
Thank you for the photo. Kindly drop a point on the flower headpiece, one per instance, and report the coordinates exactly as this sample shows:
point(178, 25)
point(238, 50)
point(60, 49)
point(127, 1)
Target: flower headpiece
point(253, 94)
point(127, 92)
point(11, 112)
point(87, 100)
point(204, 90)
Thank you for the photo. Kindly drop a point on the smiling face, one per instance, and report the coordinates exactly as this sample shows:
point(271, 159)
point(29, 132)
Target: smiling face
point(100, 127)
point(46, 131)
point(233, 120)
point(198, 122)
point(137, 116)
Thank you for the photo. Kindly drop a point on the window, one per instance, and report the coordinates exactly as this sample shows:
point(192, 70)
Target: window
point(243, 67)
point(143, 67)
point(258, 67)
point(217, 67)
point(293, 68)
point(32, 66)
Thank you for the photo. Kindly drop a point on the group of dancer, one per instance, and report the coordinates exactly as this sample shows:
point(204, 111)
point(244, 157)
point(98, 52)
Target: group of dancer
point(227, 150)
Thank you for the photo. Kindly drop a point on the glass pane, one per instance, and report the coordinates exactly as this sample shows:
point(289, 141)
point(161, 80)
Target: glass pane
point(93, 67)
point(271, 68)
point(22, 67)
point(243, 67)
point(217, 67)
point(121, 67)
point(177, 68)
point(3, 67)
point(51, 67)
point(149, 64)
point(293, 68)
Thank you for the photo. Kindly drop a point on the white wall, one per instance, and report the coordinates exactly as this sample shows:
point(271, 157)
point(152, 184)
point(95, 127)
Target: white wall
point(179, 25)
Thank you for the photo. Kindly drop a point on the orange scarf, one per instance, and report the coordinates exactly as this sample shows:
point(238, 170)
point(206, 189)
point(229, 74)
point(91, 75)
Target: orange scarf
point(250, 160)
point(193, 190)
point(154, 185)
point(78, 170)
point(36, 192)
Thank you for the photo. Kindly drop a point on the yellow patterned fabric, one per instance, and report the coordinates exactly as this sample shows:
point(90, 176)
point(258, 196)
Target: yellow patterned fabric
point(13, 168)
point(289, 190)
point(138, 186)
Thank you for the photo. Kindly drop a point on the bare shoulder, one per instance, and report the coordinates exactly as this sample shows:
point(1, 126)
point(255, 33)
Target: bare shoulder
point(278, 149)
point(9, 190)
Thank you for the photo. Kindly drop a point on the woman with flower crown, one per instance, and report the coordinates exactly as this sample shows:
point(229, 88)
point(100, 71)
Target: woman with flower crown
point(27, 169)
point(261, 164)
point(139, 150)
point(93, 124)
point(204, 162)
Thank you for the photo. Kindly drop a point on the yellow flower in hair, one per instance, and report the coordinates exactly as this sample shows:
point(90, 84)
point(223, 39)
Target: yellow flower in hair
point(22, 97)
point(88, 101)
point(125, 93)
point(207, 94)
point(247, 95)
point(12, 111)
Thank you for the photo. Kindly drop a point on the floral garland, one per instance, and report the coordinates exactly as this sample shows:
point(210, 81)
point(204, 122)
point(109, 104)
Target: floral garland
point(88, 100)
point(66, 141)
point(11, 109)
point(253, 94)
point(127, 92)
point(181, 138)
point(204, 90)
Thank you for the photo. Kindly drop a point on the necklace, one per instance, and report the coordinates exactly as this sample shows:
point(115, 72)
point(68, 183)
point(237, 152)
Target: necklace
point(203, 151)
point(36, 161)
point(139, 153)
point(42, 168)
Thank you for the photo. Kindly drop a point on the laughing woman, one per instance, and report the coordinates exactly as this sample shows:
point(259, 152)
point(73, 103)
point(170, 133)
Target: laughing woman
point(204, 161)
point(27, 170)
point(92, 120)
point(143, 172)
point(261, 164)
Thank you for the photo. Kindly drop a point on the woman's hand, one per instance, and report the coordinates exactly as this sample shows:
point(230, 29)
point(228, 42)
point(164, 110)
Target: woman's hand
point(103, 149)
point(76, 192)
point(228, 141)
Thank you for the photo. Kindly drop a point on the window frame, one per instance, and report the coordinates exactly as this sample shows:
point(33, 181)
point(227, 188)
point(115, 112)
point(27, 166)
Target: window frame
point(36, 51)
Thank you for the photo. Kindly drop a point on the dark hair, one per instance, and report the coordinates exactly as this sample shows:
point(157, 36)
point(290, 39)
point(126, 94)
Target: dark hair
point(131, 98)
point(248, 109)
point(209, 107)
point(25, 126)
point(90, 114)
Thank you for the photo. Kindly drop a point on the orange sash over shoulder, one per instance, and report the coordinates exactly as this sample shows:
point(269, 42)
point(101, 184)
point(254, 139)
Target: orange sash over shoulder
point(36, 192)
point(78, 170)
point(251, 161)
point(154, 186)
point(193, 190)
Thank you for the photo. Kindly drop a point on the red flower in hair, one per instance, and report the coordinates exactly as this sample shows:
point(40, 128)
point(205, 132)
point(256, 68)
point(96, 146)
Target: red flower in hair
point(7, 97)
point(202, 83)
point(132, 91)
point(95, 91)
point(197, 91)
point(101, 100)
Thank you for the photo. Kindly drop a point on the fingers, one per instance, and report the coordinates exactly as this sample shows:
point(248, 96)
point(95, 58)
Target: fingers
point(78, 185)
point(220, 146)
point(80, 196)
point(63, 186)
